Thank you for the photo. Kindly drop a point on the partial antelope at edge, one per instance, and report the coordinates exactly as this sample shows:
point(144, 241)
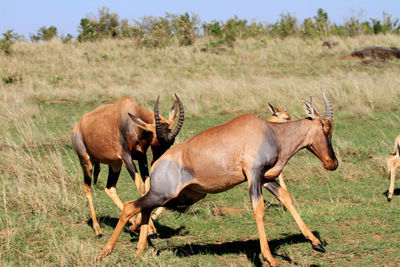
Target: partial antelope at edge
point(393, 162)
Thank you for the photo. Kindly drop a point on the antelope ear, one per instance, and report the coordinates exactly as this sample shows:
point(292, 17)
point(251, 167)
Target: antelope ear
point(141, 124)
point(309, 109)
point(271, 107)
point(173, 112)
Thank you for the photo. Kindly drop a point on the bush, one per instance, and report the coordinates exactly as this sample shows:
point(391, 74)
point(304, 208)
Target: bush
point(308, 28)
point(352, 27)
point(9, 38)
point(322, 22)
point(213, 29)
point(185, 28)
point(45, 34)
point(107, 25)
point(286, 26)
point(155, 32)
point(66, 39)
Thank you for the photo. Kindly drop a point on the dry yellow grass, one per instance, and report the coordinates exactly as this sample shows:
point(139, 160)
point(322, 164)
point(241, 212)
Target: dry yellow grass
point(242, 79)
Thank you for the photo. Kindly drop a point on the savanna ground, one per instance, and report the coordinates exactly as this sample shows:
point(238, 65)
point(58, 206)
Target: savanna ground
point(47, 87)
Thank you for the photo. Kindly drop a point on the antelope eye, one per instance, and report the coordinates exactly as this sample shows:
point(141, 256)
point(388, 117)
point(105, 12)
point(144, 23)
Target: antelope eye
point(327, 127)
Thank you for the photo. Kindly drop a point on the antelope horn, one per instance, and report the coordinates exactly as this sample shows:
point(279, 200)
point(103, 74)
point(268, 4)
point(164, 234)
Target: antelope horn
point(178, 127)
point(328, 107)
point(157, 119)
point(314, 107)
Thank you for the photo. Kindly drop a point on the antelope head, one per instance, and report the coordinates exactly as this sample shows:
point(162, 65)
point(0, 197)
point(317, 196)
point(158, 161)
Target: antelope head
point(163, 130)
point(321, 136)
point(281, 115)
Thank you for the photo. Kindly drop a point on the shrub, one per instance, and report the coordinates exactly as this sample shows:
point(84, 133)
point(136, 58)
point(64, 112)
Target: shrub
point(285, 27)
point(45, 34)
point(9, 38)
point(155, 32)
point(254, 30)
point(213, 29)
point(106, 25)
point(185, 28)
point(322, 22)
point(308, 28)
point(352, 27)
point(66, 39)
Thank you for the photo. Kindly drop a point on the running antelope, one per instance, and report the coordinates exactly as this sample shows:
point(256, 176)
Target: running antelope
point(279, 116)
point(247, 148)
point(393, 162)
point(116, 134)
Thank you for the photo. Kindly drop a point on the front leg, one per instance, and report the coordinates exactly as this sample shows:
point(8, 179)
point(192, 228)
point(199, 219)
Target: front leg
point(284, 197)
point(143, 166)
point(144, 172)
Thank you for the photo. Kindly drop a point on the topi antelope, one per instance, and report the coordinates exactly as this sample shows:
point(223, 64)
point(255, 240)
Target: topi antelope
point(393, 162)
point(116, 134)
point(279, 116)
point(215, 160)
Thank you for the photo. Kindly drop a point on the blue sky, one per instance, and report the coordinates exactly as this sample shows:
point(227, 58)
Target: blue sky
point(27, 16)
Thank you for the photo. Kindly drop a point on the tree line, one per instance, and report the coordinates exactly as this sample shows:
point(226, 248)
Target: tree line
point(186, 28)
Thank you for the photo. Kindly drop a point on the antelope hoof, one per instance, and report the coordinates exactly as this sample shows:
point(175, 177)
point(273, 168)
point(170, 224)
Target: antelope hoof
point(389, 199)
point(102, 254)
point(318, 247)
point(267, 262)
point(153, 236)
point(99, 236)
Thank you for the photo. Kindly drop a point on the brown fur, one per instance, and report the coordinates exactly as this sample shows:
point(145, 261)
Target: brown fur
point(116, 134)
point(221, 157)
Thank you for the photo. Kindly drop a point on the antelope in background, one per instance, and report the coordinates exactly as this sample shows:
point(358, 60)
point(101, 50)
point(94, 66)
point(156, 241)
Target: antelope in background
point(393, 162)
point(279, 116)
point(116, 134)
point(215, 160)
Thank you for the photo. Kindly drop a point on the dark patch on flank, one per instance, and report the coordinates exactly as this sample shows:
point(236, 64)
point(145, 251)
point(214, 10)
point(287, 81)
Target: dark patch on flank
point(266, 157)
point(166, 179)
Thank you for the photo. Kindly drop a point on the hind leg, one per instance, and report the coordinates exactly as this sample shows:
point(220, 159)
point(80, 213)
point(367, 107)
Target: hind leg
point(144, 204)
point(87, 168)
point(254, 178)
point(129, 210)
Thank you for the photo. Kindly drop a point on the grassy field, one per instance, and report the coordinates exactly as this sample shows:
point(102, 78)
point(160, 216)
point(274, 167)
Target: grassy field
point(46, 87)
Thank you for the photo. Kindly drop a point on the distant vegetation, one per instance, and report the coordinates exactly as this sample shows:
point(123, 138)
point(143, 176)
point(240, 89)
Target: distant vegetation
point(184, 29)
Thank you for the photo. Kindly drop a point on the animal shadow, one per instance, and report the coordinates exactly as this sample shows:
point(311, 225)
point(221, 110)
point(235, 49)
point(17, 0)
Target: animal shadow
point(162, 230)
point(396, 192)
point(251, 248)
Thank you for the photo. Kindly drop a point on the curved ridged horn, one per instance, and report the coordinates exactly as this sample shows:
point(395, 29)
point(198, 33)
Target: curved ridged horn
point(178, 127)
point(328, 107)
point(314, 107)
point(157, 119)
